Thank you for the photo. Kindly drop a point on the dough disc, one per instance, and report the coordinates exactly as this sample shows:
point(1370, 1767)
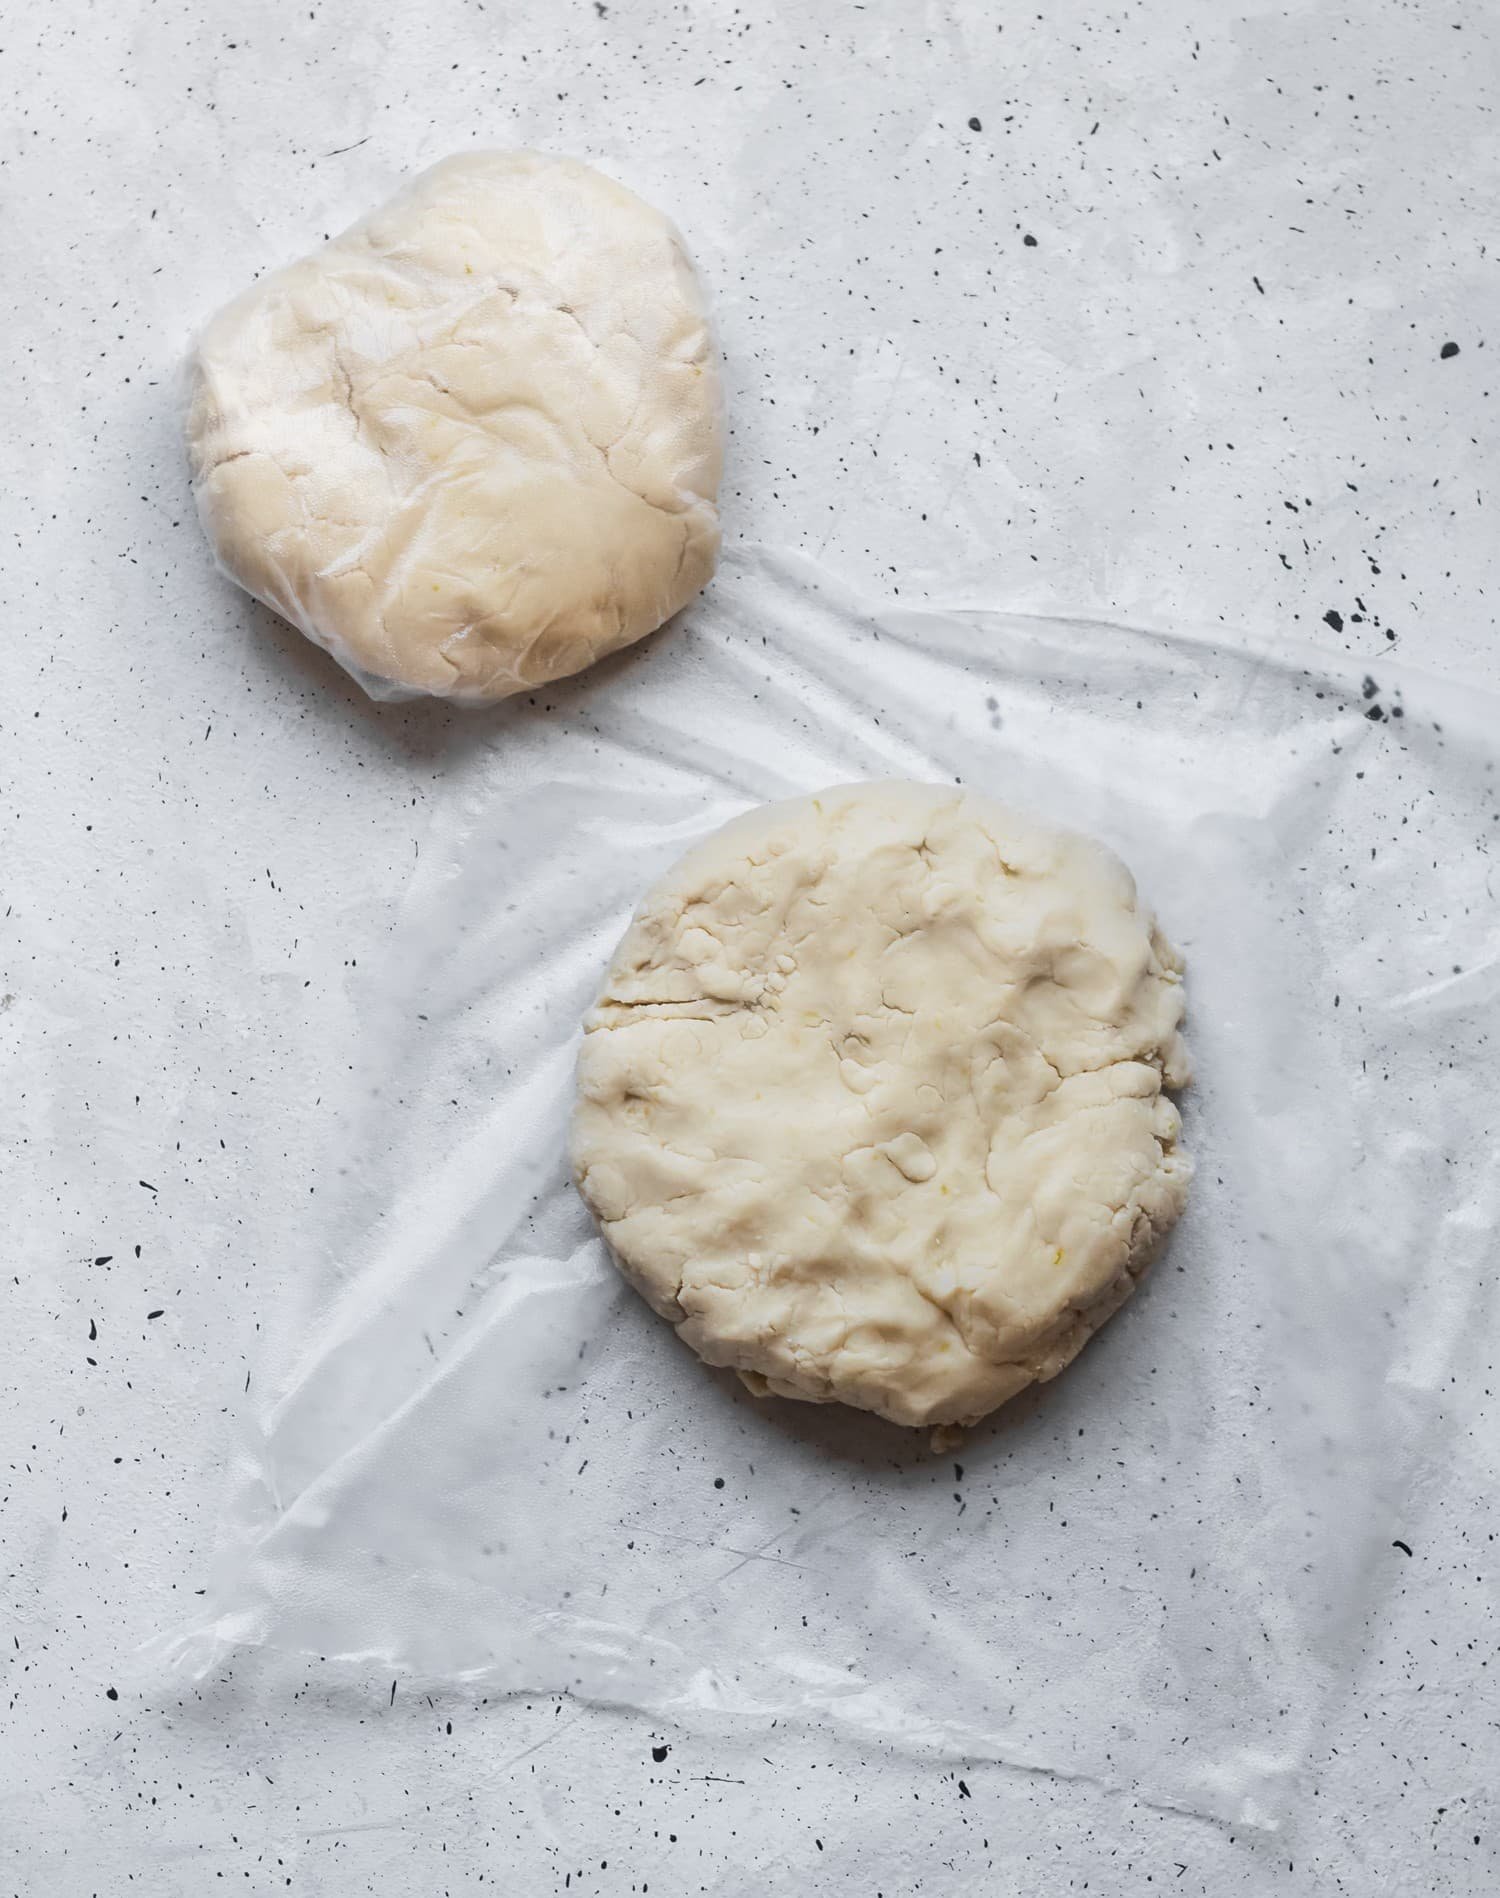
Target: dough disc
point(474, 443)
point(871, 1105)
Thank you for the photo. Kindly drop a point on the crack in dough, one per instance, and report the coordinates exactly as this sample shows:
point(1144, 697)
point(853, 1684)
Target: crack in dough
point(926, 1229)
point(474, 443)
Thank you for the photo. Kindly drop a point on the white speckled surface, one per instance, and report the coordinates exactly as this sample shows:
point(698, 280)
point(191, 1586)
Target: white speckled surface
point(1211, 390)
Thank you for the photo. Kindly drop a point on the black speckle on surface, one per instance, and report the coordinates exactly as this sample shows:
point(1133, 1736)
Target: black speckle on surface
point(1029, 241)
point(718, 1482)
point(1334, 619)
point(1369, 688)
point(1404, 1547)
point(1448, 351)
point(155, 1314)
point(111, 1693)
point(975, 126)
point(659, 1753)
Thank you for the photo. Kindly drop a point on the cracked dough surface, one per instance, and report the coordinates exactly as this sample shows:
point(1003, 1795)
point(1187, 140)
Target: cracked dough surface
point(871, 1106)
point(473, 443)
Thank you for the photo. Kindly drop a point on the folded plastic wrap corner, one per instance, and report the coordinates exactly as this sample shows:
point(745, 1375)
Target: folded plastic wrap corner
point(473, 444)
point(481, 1459)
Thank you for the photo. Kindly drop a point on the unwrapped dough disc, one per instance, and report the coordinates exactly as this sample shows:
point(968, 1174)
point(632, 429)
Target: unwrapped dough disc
point(871, 1104)
point(474, 443)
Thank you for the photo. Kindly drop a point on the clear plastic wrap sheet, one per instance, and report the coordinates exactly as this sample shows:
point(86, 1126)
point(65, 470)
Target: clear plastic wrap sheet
point(484, 1460)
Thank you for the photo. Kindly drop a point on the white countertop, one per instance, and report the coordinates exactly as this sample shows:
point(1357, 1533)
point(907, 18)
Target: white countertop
point(1212, 392)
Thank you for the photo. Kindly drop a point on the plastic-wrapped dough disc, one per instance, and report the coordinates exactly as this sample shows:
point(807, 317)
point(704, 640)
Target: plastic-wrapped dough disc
point(872, 1106)
point(474, 443)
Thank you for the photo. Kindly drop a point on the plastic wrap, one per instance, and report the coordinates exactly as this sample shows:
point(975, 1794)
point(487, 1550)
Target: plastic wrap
point(473, 443)
point(483, 1459)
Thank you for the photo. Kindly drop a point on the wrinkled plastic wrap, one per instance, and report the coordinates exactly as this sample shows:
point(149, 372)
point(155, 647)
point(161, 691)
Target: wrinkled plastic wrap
point(482, 1459)
point(473, 443)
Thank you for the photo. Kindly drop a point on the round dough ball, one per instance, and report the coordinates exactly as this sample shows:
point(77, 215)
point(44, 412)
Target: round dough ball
point(474, 443)
point(871, 1103)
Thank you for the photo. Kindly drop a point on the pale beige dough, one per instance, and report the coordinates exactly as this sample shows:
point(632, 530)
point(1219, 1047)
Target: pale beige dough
point(473, 443)
point(871, 1106)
